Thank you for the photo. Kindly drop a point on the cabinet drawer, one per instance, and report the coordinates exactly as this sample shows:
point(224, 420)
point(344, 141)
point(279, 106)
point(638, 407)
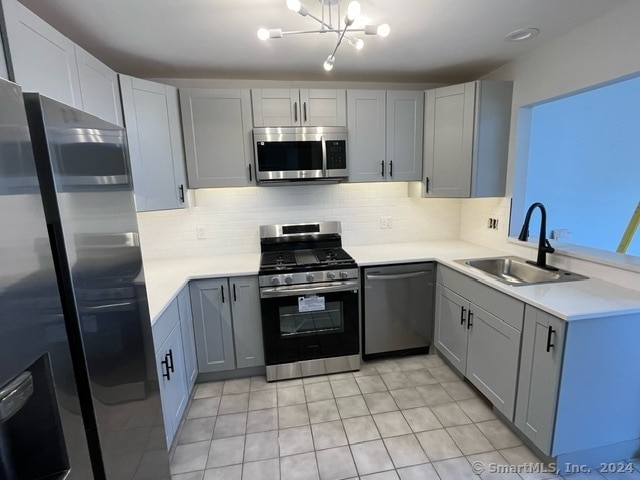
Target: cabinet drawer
point(503, 306)
point(164, 325)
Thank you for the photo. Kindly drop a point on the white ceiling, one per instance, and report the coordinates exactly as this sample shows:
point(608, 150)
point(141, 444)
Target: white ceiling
point(431, 40)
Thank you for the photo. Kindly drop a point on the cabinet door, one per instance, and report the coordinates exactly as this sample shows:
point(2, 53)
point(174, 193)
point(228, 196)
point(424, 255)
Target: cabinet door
point(451, 327)
point(4, 71)
point(540, 364)
point(492, 358)
point(173, 385)
point(366, 125)
point(43, 59)
point(276, 107)
point(217, 137)
point(99, 88)
point(152, 120)
point(323, 108)
point(405, 120)
point(188, 337)
point(247, 322)
point(210, 305)
point(448, 140)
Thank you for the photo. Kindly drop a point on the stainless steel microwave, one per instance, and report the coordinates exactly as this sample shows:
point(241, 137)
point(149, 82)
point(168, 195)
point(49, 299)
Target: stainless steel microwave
point(295, 154)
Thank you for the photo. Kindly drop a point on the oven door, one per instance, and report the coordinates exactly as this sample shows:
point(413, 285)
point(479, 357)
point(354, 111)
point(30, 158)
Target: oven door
point(308, 322)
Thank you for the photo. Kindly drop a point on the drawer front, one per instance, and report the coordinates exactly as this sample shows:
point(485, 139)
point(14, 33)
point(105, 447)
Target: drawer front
point(499, 304)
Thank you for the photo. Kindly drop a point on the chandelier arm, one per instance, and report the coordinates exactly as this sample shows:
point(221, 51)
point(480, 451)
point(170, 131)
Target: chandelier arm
point(339, 41)
point(324, 30)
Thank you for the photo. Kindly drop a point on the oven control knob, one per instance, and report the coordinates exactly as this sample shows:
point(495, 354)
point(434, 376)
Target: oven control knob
point(344, 274)
point(288, 279)
point(331, 275)
point(310, 277)
point(275, 281)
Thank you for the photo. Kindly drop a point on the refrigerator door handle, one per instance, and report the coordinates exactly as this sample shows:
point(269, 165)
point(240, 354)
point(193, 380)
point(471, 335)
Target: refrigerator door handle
point(14, 395)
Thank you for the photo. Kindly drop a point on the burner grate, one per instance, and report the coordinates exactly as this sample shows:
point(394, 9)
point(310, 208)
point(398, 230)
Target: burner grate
point(331, 255)
point(278, 259)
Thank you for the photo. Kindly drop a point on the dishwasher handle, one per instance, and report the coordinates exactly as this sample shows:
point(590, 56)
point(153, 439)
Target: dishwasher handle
point(396, 276)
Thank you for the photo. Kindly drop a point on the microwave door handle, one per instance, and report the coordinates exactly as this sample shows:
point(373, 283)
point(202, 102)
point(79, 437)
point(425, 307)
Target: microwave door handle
point(324, 156)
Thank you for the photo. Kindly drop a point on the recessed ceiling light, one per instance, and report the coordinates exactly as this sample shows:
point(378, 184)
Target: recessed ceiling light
point(521, 34)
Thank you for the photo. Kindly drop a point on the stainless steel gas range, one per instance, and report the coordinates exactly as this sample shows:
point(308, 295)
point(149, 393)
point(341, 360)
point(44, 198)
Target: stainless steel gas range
point(309, 301)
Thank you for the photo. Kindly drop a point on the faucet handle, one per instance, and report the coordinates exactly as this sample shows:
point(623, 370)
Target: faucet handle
point(548, 246)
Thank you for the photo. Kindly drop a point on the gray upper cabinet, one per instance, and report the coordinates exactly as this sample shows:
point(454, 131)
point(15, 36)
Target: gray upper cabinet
point(366, 122)
point(478, 329)
point(466, 140)
point(540, 365)
point(283, 107)
point(217, 137)
point(385, 135)
point(43, 59)
point(99, 88)
point(46, 61)
point(405, 121)
point(154, 133)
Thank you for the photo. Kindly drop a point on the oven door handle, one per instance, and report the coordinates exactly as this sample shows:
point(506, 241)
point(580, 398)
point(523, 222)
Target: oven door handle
point(273, 292)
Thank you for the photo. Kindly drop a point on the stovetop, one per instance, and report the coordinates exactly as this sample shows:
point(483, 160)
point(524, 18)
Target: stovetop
point(291, 260)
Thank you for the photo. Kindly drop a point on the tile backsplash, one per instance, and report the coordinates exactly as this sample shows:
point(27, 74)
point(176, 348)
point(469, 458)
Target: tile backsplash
point(230, 217)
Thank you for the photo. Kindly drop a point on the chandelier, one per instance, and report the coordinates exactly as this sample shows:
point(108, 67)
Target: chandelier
point(327, 26)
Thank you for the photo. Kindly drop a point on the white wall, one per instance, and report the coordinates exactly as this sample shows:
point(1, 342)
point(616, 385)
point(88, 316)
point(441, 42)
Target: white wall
point(231, 217)
point(598, 52)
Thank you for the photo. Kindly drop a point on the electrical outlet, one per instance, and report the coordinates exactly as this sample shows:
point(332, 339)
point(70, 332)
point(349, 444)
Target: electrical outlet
point(385, 222)
point(492, 223)
point(200, 232)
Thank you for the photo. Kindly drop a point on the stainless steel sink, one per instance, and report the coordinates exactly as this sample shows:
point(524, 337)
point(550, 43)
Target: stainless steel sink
point(516, 271)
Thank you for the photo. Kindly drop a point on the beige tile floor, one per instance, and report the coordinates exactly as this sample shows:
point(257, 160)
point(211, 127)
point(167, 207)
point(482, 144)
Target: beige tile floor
point(410, 418)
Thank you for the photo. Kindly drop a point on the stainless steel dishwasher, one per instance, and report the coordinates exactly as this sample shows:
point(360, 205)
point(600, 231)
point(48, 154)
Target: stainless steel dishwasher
point(398, 309)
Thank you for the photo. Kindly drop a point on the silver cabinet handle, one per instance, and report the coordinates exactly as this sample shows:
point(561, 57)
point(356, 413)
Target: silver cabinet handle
point(399, 276)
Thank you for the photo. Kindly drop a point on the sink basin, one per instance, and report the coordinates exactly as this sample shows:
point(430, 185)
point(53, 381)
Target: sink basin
point(516, 271)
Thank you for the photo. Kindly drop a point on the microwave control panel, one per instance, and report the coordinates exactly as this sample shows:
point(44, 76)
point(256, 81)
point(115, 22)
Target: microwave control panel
point(336, 154)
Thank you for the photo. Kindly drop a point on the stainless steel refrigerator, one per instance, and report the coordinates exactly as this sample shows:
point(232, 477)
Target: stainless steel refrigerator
point(79, 394)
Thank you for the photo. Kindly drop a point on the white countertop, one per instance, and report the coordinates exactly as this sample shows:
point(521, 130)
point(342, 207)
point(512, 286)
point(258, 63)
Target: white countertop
point(569, 301)
point(165, 278)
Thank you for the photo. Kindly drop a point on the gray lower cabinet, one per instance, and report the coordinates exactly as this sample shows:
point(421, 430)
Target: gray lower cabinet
point(478, 330)
point(188, 337)
point(540, 364)
point(227, 323)
point(169, 352)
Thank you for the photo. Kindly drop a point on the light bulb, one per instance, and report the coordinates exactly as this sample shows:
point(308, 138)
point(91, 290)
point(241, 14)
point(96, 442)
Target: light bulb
point(263, 33)
point(353, 10)
point(358, 43)
point(383, 30)
point(294, 5)
point(328, 63)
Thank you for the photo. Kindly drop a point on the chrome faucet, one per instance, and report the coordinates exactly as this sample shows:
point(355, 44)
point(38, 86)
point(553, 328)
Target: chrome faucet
point(544, 246)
